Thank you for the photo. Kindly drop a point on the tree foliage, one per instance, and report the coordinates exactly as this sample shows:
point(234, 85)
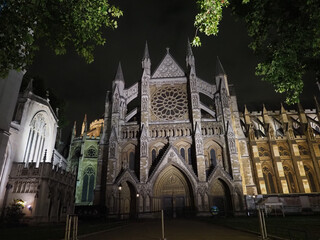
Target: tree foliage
point(14, 214)
point(59, 23)
point(285, 34)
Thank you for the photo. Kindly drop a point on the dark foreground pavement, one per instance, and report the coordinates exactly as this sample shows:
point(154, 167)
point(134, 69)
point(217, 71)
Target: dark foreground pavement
point(174, 230)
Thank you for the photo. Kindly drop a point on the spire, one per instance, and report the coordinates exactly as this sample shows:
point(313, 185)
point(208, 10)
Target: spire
point(283, 111)
point(300, 108)
point(74, 130)
point(29, 88)
point(119, 75)
point(146, 62)
point(189, 49)
point(84, 126)
point(246, 115)
point(246, 112)
point(317, 104)
point(146, 52)
point(265, 115)
point(264, 110)
point(303, 118)
point(219, 68)
point(189, 57)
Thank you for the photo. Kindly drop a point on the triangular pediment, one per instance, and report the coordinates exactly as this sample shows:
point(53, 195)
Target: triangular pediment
point(168, 68)
point(172, 157)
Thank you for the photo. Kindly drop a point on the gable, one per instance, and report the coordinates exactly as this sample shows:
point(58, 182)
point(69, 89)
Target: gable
point(168, 68)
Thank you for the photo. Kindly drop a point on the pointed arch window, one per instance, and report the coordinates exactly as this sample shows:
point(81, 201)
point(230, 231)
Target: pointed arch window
point(153, 154)
point(189, 156)
point(290, 179)
point(131, 161)
point(269, 180)
point(88, 184)
point(213, 160)
point(283, 151)
point(310, 179)
point(36, 139)
point(303, 150)
point(182, 153)
point(263, 152)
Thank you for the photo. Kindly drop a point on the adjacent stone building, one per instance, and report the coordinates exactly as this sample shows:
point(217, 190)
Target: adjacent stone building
point(33, 171)
point(83, 159)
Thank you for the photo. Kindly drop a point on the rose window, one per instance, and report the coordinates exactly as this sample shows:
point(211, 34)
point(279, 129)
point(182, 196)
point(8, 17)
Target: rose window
point(169, 103)
point(91, 153)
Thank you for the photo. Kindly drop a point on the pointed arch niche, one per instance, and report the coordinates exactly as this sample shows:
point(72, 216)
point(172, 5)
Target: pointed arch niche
point(128, 157)
point(213, 156)
point(172, 191)
point(220, 196)
point(128, 199)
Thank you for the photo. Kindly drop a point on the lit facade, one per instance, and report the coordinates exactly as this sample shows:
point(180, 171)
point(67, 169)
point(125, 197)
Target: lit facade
point(173, 141)
point(33, 170)
point(177, 148)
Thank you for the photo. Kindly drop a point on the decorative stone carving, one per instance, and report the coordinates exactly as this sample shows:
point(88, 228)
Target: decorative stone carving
point(144, 149)
point(170, 102)
point(168, 68)
point(199, 146)
point(144, 104)
point(225, 100)
point(112, 149)
point(116, 102)
point(195, 101)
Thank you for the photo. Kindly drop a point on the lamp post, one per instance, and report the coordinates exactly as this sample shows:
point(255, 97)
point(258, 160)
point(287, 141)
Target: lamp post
point(119, 210)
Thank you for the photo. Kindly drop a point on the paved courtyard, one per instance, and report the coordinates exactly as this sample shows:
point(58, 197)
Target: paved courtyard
point(174, 230)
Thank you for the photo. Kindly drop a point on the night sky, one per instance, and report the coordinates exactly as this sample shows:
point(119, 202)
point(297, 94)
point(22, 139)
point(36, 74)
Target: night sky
point(163, 24)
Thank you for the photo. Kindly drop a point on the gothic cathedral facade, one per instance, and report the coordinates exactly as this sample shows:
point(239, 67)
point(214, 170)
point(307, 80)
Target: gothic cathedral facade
point(173, 141)
point(172, 151)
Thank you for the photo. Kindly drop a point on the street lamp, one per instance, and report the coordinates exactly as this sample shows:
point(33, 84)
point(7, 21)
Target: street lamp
point(119, 188)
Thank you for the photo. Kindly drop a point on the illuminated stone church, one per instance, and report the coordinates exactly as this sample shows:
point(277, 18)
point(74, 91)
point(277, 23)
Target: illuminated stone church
point(177, 148)
point(176, 142)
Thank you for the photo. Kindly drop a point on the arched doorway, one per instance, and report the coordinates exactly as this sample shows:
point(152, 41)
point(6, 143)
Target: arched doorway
point(219, 195)
point(128, 200)
point(173, 193)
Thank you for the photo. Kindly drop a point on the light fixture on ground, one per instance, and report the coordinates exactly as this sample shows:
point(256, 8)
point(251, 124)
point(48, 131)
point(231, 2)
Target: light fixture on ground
point(119, 212)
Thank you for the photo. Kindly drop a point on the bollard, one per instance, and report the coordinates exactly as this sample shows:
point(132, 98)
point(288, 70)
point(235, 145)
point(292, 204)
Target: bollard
point(71, 226)
point(262, 223)
point(162, 225)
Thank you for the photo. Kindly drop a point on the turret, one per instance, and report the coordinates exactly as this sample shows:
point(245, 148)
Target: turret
point(146, 62)
point(119, 79)
point(247, 118)
point(29, 88)
point(190, 62)
point(221, 77)
point(84, 127)
point(74, 131)
point(302, 115)
point(317, 106)
point(284, 117)
point(265, 115)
